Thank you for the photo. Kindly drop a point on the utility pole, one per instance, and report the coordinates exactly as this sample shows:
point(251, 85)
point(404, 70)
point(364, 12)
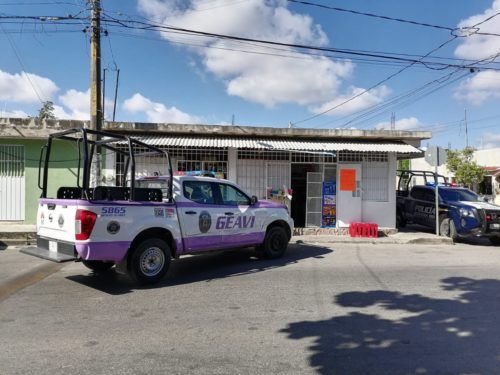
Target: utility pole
point(116, 92)
point(466, 130)
point(95, 67)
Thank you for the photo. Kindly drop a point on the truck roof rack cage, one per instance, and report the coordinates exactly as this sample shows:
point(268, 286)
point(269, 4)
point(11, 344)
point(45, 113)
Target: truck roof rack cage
point(407, 178)
point(92, 149)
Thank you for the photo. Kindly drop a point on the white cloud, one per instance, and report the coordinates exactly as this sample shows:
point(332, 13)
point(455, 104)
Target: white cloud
point(76, 105)
point(13, 114)
point(20, 87)
point(481, 46)
point(157, 112)
point(264, 79)
point(479, 88)
point(409, 123)
point(488, 140)
point(485, 84)
point(360, 103)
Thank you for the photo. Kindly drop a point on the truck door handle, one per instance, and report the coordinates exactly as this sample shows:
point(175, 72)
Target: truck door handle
point(228, 213)
point(190, 212)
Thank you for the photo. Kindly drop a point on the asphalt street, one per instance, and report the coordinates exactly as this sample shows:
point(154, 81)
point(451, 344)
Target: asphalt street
point(328, 309)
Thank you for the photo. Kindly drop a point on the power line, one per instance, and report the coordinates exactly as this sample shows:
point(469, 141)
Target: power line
point(18, 57)
point(393, 103)
point(138, 25)
point(379, 83)
point(417, 23)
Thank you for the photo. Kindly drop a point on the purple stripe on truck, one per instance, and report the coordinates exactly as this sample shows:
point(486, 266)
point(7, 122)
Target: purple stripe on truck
point(200, 243)
point(112, 251)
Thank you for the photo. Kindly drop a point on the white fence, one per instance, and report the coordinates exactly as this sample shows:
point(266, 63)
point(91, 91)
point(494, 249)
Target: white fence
point(12, 182)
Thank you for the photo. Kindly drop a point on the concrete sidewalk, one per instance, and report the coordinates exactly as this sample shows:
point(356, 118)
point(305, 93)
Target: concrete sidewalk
point(402, 238)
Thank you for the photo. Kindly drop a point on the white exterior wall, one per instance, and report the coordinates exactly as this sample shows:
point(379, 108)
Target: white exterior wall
point(232, 161)
point(420, 164)
point(488, 158)
point(383, 213)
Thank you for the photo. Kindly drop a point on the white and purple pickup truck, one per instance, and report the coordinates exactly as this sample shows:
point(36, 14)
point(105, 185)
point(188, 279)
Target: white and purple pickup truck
point(141, 227)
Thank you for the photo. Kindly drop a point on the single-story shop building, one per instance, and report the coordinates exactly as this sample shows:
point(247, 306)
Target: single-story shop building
point(333, 177)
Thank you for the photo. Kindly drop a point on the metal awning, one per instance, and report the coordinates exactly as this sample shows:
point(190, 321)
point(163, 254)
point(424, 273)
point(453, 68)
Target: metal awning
point(278, 144)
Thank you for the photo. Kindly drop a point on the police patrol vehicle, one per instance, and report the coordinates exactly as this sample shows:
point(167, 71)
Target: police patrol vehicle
point(462, 213)
point(141, 226)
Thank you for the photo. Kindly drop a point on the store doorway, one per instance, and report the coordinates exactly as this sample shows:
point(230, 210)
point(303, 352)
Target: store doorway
point(299, 187)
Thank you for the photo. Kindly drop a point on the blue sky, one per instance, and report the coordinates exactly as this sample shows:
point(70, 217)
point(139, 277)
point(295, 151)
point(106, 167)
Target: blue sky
point(167, 77)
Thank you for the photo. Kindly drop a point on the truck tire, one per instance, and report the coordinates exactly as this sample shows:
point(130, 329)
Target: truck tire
point(495, 240)
point(98, 266)
point(149, 261)
point(275, 243)
point(447, 228)
point(400, 221)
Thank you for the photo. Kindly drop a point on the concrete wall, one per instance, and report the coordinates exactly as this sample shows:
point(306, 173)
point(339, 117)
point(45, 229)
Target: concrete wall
point(421, 165)
point(488, 158)
point(383, 213)
point(61, 172)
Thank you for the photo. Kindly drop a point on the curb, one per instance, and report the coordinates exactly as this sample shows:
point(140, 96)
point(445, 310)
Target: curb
point(374, 241)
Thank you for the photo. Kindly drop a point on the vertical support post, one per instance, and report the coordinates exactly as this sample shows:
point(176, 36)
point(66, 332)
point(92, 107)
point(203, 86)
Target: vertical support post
point(95, 67)
point(436, 182)
point(116, 92)
point(96, 115)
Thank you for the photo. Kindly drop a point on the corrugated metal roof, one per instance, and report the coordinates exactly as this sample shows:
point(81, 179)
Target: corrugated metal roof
point(278, 144)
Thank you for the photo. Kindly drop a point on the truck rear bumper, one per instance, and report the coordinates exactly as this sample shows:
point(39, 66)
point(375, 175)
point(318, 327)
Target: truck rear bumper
point(47, 254)
point(53, 250)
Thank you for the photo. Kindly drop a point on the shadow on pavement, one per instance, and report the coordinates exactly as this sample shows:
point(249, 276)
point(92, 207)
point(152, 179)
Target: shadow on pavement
point(434, 336)
point(3, 245)
point(203, 268)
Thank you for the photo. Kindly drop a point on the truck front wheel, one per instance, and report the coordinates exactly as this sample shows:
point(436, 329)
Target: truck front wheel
point(495, 240)
point(447, 228)
point(275, 243)
point(150, 261)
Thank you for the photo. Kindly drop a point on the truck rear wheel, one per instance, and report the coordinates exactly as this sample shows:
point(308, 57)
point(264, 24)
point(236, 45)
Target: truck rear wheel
point(98, 266)
point(150, 261)
point(275, 243)
point(400, 220)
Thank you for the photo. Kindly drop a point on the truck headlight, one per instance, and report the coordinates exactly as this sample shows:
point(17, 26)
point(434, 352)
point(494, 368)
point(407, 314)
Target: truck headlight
point(464, 212)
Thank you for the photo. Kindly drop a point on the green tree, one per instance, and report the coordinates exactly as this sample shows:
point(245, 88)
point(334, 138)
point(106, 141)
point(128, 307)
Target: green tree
point(404, 164)
point(467, 172)
point(47, 111)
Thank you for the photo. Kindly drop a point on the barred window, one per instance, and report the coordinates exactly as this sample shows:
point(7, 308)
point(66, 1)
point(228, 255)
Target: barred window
point(375, 183)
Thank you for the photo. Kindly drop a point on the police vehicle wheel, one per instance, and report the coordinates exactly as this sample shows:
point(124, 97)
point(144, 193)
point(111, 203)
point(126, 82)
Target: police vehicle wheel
point(447, 228)
point(400, 221)
point(495, 240)
point(98, 266)
point(150, 261)
point(275, 243)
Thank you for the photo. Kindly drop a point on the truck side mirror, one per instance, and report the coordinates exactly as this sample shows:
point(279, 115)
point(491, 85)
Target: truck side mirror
point(254, 200)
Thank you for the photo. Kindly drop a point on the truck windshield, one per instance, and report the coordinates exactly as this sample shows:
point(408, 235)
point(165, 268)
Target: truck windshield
point(456, 195)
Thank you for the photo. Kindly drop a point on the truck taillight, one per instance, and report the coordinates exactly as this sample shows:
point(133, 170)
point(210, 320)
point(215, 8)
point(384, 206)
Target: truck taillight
point(85, 221)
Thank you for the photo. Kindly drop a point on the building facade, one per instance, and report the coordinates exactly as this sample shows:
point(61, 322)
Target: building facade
point(333, 177)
